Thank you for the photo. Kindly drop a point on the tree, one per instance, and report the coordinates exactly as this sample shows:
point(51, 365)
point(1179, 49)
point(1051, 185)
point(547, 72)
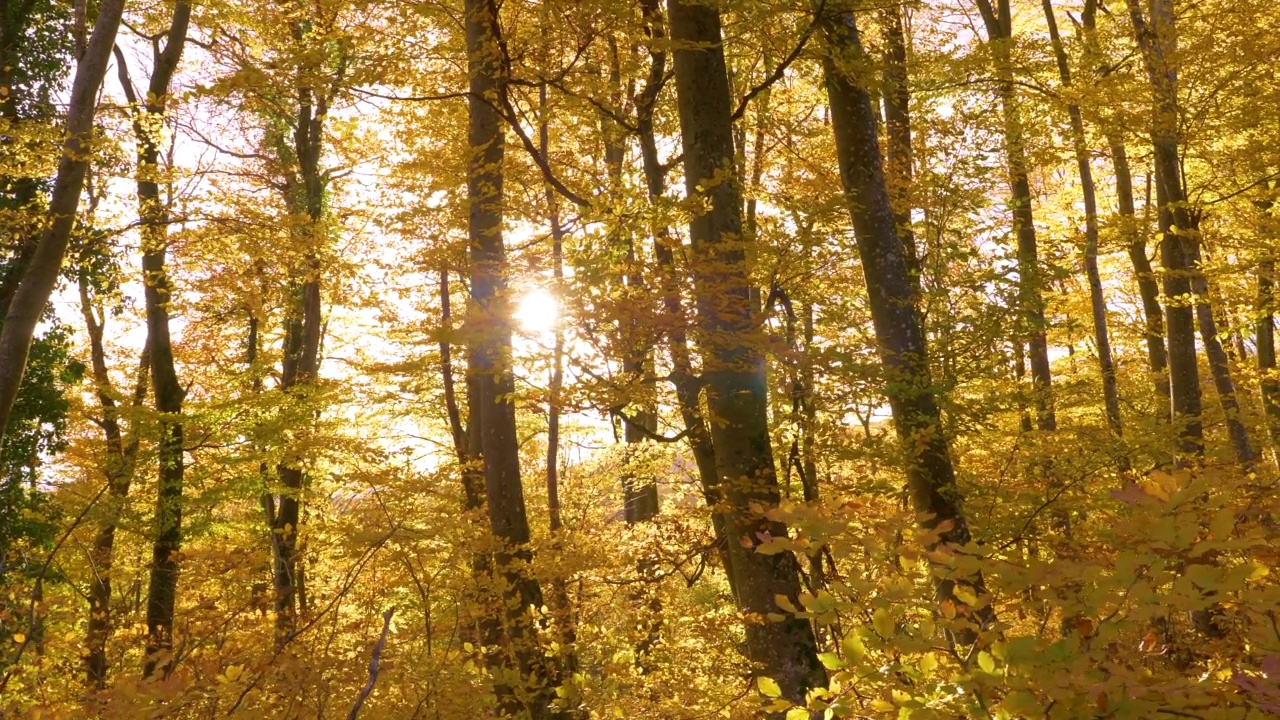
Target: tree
point(733, 370)
point(41, 272)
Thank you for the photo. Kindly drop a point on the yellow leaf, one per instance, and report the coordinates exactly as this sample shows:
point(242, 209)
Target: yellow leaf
point(768, 687)
point(853, 648)
point(19, 638)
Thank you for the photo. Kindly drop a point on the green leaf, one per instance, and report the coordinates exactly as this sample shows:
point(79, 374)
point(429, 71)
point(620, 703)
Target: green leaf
point(768, 687)
point(797, 713)
point(830, 661)
point(986, 662)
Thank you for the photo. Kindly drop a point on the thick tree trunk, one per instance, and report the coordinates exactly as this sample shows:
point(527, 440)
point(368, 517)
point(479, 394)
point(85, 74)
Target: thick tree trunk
point(687, 387)
point(153, 213)
point(1030, 295)
point(734, 372)
point(41, 274)
point(1097, 303)
point(899, 335)
point(530, 677)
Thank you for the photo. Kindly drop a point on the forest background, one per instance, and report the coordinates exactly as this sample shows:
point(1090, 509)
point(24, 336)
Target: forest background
point(549, 359)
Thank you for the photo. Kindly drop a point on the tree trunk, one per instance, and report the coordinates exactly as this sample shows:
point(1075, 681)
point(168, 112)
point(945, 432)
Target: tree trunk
point(1097, 303)
point(41, 274)
point(1219, 362)
point(1148, 287)
point(899, 336)
point(153, 214)
point(119, 468)
point(734, 372)
point(1030, 298)
point(898, 168)
point(530, 679)
point(1176, 228)
point(1264, 331)
point(687, 386)
point(304, 191)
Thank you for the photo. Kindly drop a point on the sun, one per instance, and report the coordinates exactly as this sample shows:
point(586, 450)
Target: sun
point(536, 311)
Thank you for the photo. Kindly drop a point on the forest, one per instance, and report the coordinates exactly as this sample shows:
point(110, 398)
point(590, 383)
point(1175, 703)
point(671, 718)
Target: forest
point(672, 359)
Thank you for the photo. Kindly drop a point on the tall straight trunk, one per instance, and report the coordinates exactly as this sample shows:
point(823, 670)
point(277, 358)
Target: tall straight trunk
point(734, 371)
point(687, 387)
point(1097, 303)
point(153, 213)
point(1148, 287)
point(999, 24)
point(1264, 338)
point(640, 495)
point(304, 191)
point(526, 685)
point(559, 600)
point(899, 335)
point(119, 467)
point(33, 290)
point(898, 167)
point(1177, 256)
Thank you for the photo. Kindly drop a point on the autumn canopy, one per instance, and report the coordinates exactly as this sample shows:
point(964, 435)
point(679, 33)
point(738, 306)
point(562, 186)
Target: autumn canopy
point(671, 359)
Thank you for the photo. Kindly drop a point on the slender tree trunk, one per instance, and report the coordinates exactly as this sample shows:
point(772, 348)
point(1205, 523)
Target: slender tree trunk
point(687, 386)
point(899, 335)
point(734, 372)
point(119, 468)
point(527, 685)
point(1219, 362)
point(1264, 337)
point(153, 213)
point(304, 191)
point(999, 24)
point(32, 294)
point(1097, 303)
point(1177, 257)
point(1148, 287)
point(560, 603)
point(640, 495)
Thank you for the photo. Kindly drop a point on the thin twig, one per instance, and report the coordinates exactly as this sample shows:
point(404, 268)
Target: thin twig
point(373, 664)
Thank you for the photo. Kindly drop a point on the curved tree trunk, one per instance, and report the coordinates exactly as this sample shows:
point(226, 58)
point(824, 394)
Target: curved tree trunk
point(688, 392)
point(119, 469)
point(41, 274)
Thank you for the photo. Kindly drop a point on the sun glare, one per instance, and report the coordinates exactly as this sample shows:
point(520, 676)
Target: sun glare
point(537, 311)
